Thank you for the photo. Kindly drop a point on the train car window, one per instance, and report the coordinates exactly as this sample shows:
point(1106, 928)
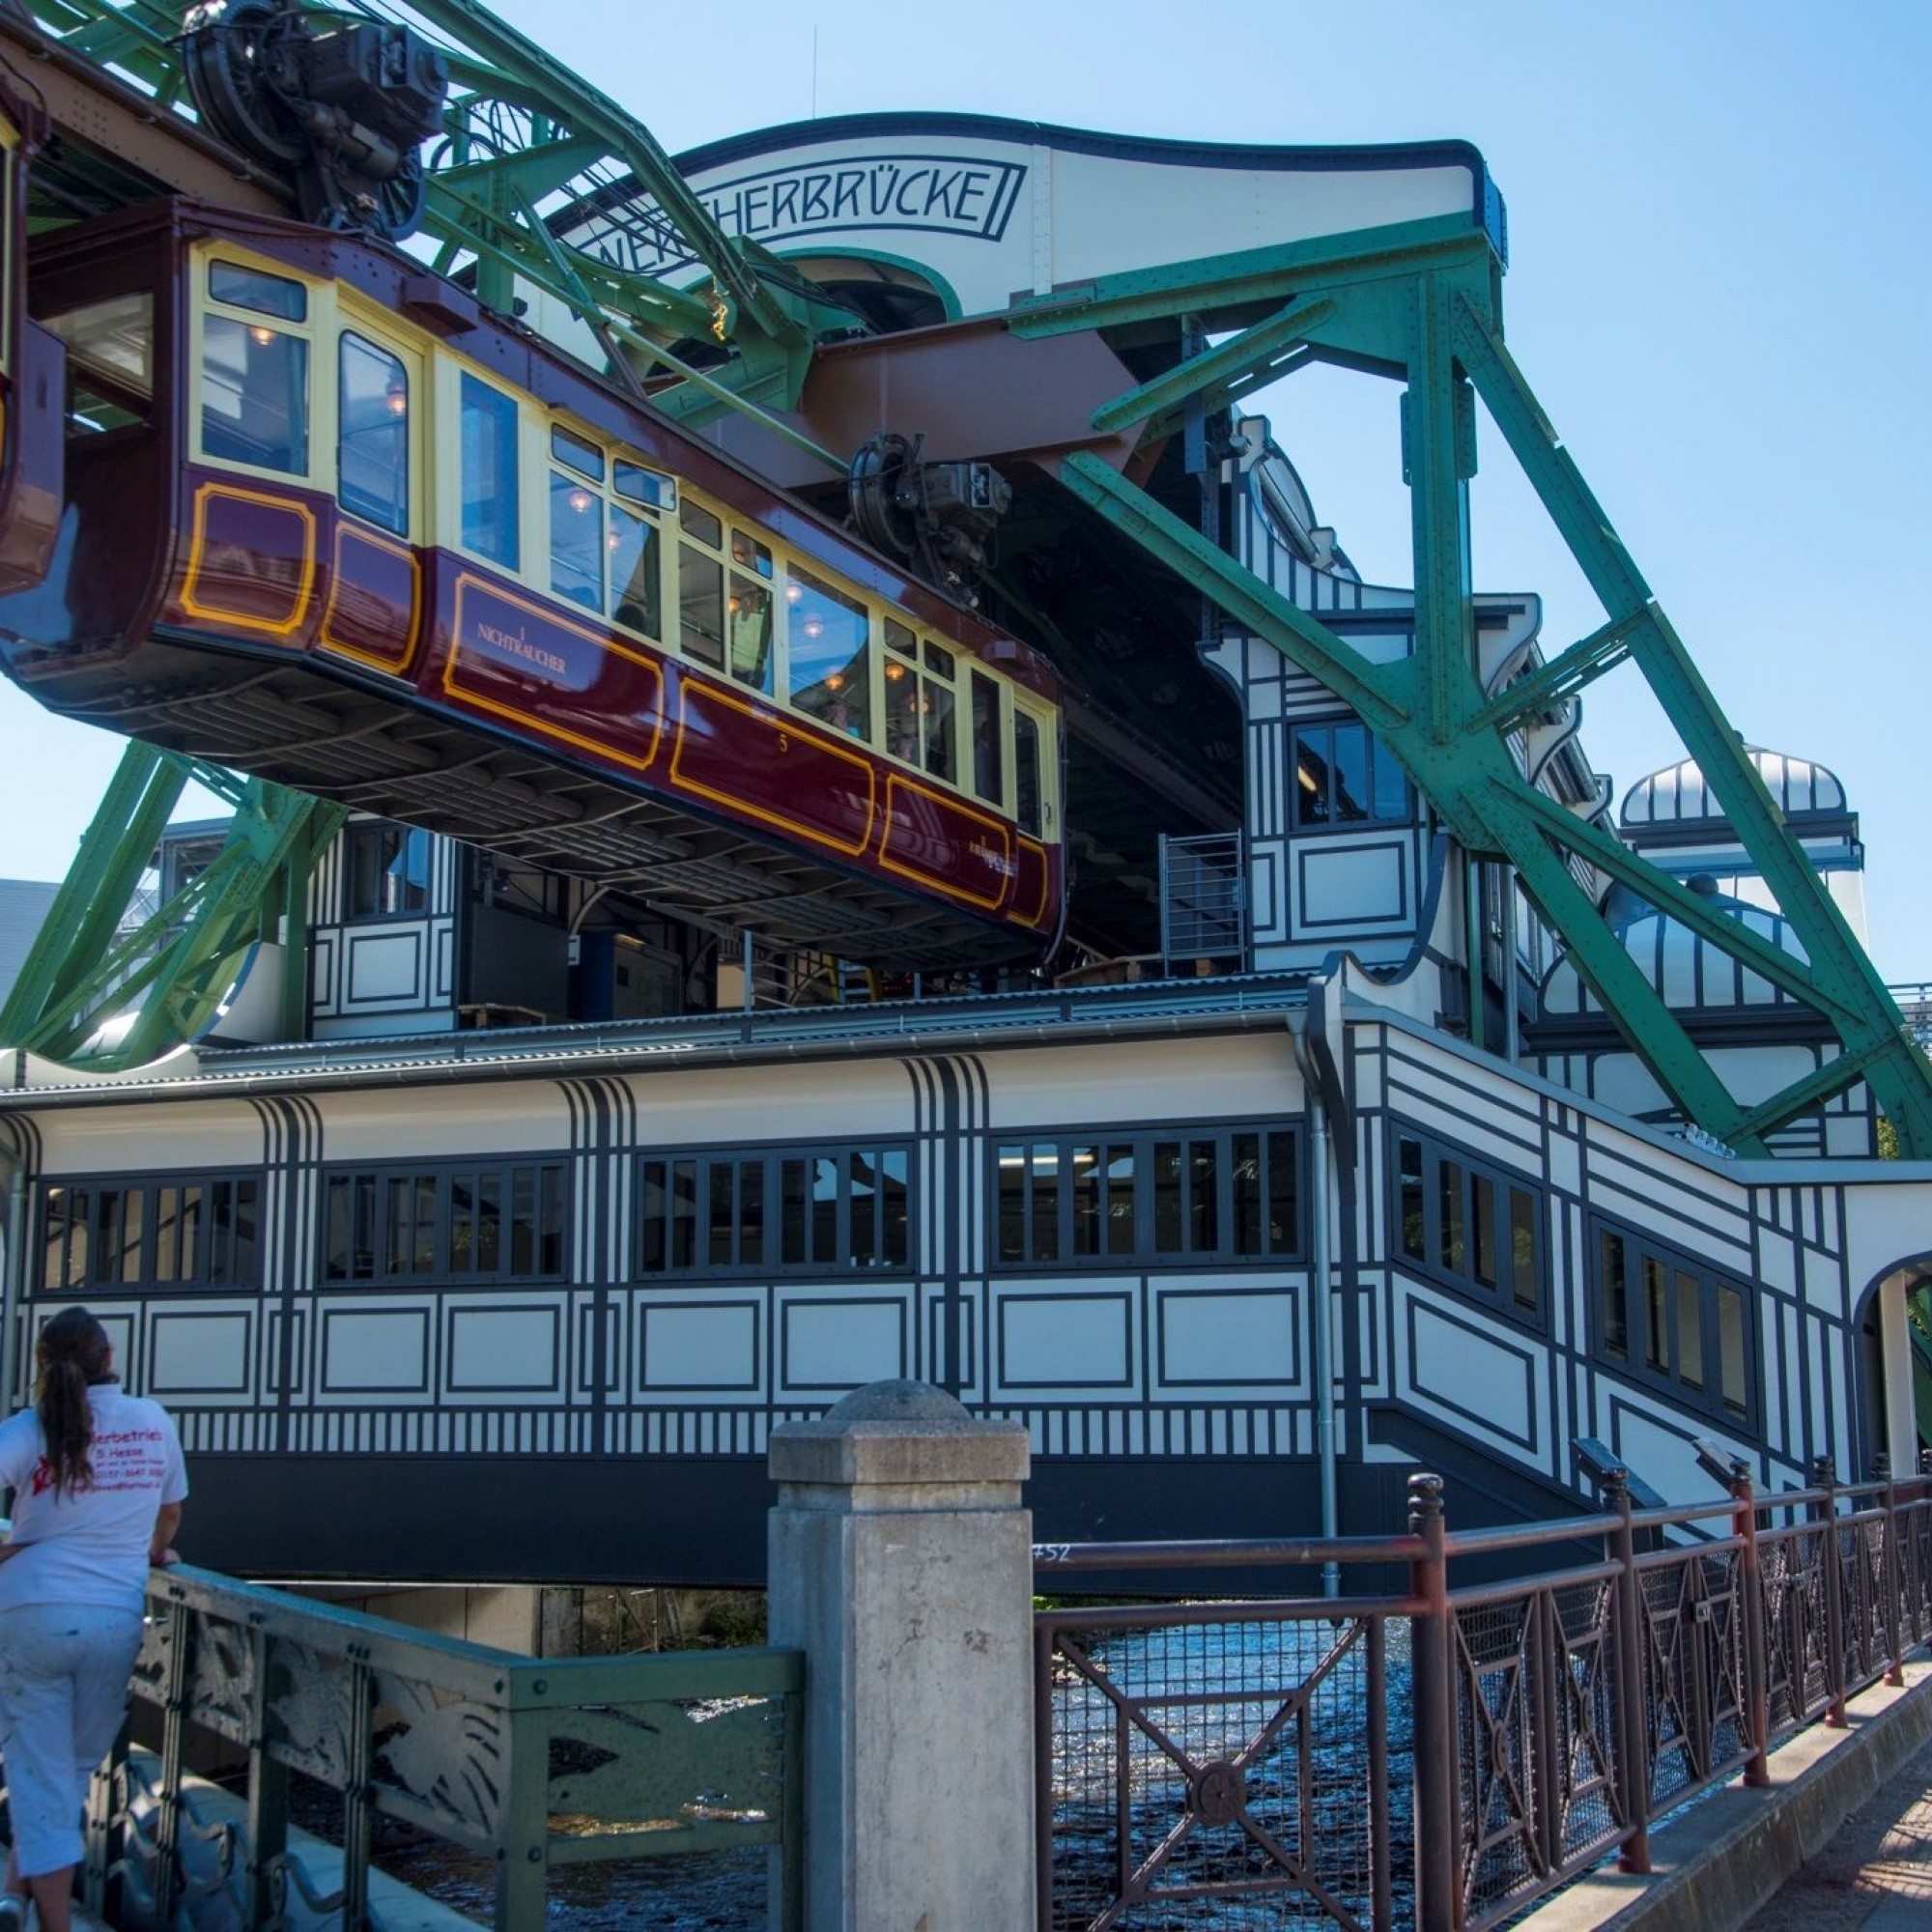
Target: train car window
point(638, 485)
point(1026, 773)
point(988, 768)
point(902, 693)
point(489, 485)
point(372, 451)
point(700, 588)
point(829, 649)
point(936, 711)
point(575, 540)
point(636, 563)
point(250, 289)
point(751, 610)
point(586, 458)
point(254, 396)
point(110, 363)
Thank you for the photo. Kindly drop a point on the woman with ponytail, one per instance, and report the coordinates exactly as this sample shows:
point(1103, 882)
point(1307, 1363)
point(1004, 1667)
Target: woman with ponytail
point(97, 1485)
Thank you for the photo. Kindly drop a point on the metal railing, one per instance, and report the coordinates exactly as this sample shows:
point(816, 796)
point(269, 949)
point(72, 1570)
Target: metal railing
point(524, 1763)
point(1441, 1759)
point(1913, 999)
point(1204, 901)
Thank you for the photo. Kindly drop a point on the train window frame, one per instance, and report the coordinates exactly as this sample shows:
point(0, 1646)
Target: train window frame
point(463, 380)
point(811, 596)
point(11, 223)
point(988, 737)
point(743, 571)
point(255, 323)
point(351, 327)
point(925, 712)
point(113, 387)
point(1040, 821)
point(621, 493)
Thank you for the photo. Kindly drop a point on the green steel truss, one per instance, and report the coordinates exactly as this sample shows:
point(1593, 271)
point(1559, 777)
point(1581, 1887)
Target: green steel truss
point(1420, 303)
point(523, 136)
point(104, 993)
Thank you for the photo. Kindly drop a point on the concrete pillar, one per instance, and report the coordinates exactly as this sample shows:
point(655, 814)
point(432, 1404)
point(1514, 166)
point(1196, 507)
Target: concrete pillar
point(901, 1566)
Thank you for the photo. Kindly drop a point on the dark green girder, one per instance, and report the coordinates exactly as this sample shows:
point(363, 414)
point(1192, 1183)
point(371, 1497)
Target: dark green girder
point(1421, 305)
point(105, 993)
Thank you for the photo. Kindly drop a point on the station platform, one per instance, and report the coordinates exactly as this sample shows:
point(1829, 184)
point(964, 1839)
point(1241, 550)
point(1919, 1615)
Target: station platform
point(1841, 1838)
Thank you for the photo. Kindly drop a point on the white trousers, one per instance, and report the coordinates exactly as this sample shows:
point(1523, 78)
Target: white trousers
point(64, 1674)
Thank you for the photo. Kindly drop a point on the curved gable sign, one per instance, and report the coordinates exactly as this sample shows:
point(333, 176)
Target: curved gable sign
point(992, 208)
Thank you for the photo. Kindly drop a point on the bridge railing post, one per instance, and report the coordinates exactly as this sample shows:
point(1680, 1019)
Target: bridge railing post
point(1826, 1513)
point(1756, 1654)
point(1891, 1576)
point(901, 1564)
point(1632, 1779)
point(1438, 1888)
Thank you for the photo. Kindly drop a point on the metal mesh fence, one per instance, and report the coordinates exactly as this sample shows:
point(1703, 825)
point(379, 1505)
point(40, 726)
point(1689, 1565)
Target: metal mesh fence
point(1227, 1768)
point(1536, 1741)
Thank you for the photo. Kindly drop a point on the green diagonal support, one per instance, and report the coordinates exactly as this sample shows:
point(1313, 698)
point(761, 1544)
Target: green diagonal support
point(1561, 678)
point(1473, 782)
point(166, 977)
point(1862, 1013)
point(1251, 353)
point(1419, 303)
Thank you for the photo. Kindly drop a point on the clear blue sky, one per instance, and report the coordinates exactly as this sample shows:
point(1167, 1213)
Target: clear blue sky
point(1719, 218)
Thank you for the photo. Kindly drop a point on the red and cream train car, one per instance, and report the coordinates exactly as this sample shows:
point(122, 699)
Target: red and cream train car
point(327, 520)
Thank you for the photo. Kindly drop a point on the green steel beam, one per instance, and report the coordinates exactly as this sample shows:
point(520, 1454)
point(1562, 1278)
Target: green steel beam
point(1382, 693)
point(1224, 285)
point(167, 978)
point(574, 102)
point(1656, 888)
point(1560, 678)
point(1473, 782)
point(1864, 1014)
point(1802, 1095)
point(1253, 353)
point(1623, 988)
point(80, 925)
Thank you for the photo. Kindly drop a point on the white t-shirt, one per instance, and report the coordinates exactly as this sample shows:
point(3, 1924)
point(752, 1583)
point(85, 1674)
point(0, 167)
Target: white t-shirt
point(89, 1546)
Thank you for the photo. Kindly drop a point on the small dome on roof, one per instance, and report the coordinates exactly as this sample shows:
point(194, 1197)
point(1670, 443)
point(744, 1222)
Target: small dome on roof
point(1678, 795)
point(1690, 973)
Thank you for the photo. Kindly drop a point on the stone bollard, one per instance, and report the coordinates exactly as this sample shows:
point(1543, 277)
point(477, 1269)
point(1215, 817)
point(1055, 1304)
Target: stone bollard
point(901, 1565)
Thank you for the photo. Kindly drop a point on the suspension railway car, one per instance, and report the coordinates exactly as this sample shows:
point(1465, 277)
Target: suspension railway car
point(30, 370)
point(328, 521)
